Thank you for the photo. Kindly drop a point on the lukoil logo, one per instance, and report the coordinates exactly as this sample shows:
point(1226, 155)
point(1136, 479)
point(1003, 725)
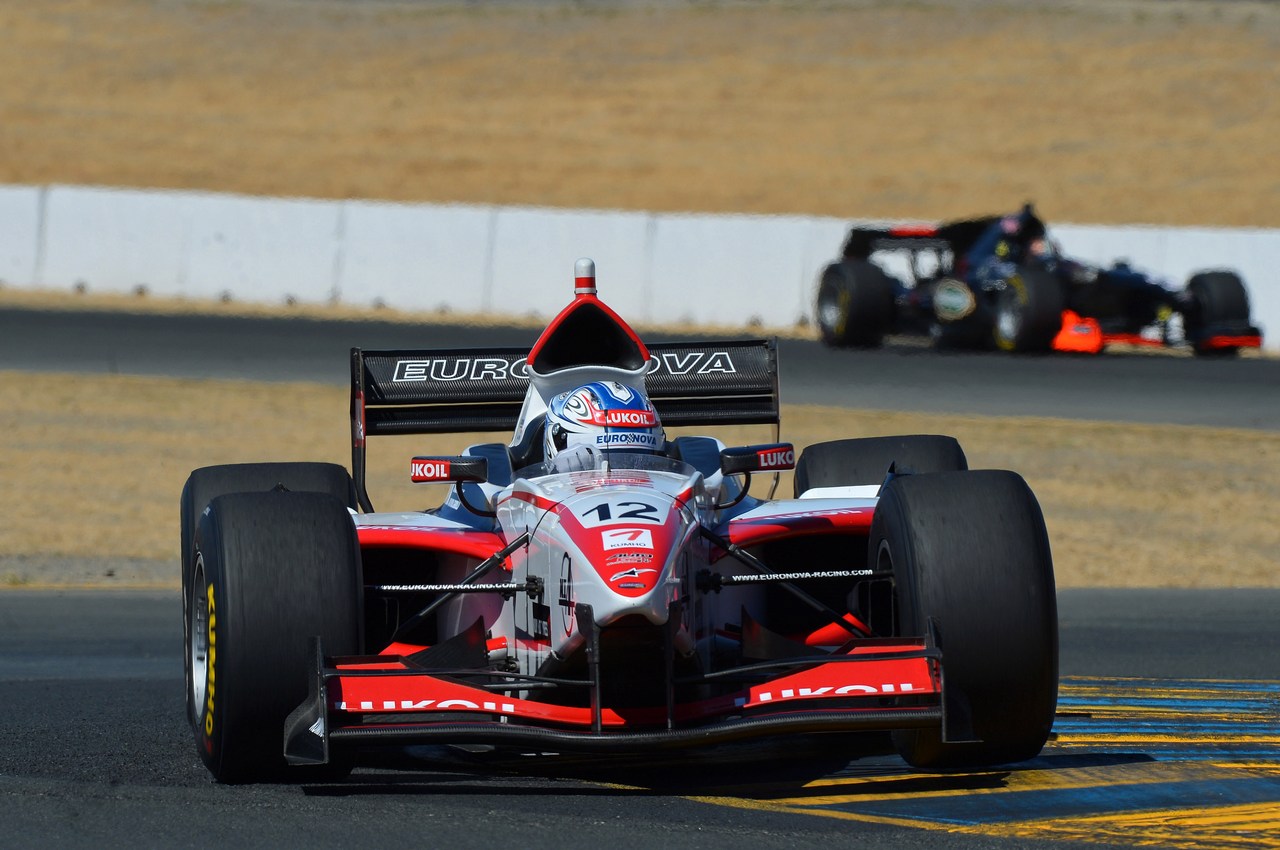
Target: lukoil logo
point(429, 470)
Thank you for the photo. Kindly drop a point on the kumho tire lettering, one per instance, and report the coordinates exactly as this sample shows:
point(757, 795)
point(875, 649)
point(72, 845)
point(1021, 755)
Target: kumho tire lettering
point(211, 665)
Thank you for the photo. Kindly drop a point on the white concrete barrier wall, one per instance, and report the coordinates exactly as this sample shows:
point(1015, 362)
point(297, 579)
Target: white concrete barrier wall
point(754, 270)
point(113, 241)
point(194, 245)
point(285, 250)
point(416, 257)
point(20, 217)
point(534, 251)
point(507, 261)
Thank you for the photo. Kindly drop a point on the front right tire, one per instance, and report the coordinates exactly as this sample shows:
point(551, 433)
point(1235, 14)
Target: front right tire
point(270, 571)
point(1028, 311)
point(209, 482)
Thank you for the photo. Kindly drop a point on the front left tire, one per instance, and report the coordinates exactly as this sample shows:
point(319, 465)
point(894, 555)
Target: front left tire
point(970, 559)
point(1217, 298)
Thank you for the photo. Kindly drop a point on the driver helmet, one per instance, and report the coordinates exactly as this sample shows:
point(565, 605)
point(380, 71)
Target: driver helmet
point(1043, 248)
point(605, 416)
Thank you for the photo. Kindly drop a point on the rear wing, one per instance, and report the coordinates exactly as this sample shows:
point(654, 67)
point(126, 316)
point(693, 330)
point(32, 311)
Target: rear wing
point(483, 389)
point(955, 236)
point(862, 242)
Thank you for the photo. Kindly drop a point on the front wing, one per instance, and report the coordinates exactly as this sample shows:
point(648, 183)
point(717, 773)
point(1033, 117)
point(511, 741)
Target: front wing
point(868, 685)
point(1084, 335)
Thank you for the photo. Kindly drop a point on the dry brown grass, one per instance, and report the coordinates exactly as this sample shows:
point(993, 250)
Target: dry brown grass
point(1107, 111)
point(1162, 112)
point(94, 466)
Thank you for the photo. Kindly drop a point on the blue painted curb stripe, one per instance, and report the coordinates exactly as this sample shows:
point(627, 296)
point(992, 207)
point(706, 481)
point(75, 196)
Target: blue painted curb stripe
point(1011, 806)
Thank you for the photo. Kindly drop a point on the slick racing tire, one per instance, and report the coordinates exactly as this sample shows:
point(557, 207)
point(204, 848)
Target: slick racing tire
point(1028, 312)
point(971, 564)
point(843, 463)
point(855, 304)
point(269, 572)
point(1217, 298)
point(207, 483)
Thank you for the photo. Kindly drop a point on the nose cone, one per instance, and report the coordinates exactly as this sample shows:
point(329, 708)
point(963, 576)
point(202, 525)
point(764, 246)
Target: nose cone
point(625, 544)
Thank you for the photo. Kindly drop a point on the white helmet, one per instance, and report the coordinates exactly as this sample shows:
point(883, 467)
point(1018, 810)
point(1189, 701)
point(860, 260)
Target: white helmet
point(605, 415)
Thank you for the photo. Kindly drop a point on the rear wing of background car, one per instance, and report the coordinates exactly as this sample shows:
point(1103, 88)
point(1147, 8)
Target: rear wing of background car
point(468, 390)
point(955, 236)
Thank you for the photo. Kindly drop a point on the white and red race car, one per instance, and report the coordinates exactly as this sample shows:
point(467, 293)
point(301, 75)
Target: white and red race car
point(604, 599)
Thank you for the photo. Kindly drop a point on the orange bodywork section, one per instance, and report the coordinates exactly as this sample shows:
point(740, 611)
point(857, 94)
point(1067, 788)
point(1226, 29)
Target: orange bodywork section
point(1079, 334)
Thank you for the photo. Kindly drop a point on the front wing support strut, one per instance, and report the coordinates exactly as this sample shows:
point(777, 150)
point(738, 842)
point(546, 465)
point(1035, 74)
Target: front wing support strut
point(591, 635)
point(306, 732)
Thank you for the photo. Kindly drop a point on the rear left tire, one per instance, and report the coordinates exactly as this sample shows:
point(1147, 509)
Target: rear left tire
point(855, 304)
point(866, 460)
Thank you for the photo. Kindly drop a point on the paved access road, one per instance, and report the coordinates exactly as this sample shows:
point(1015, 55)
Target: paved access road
point(1123, 387)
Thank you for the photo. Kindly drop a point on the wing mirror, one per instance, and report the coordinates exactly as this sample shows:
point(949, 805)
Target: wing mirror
point(744, 460)
point(458, 469)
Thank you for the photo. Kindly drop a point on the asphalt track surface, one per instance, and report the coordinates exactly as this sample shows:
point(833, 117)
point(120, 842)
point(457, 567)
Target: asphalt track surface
point(1243, 393)
point(1169, 709)
point(1165, 714)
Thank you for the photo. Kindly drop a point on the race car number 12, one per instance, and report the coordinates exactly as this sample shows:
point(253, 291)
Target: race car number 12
point(622, 512)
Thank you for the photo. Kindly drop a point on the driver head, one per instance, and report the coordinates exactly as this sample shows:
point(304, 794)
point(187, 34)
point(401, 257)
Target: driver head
point(604, 415)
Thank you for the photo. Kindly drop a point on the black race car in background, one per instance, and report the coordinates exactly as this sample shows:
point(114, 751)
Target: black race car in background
point(1001, 282)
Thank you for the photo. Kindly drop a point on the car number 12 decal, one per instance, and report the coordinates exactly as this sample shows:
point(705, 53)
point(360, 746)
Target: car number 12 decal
point(610, 513)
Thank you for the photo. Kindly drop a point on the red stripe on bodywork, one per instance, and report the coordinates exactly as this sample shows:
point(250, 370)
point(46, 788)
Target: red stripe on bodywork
point(913, 230)
point(475, 544)
point(835, 634)
point(749, 531)
point(1247, 341)
point(1131, 339)
point(534, 499)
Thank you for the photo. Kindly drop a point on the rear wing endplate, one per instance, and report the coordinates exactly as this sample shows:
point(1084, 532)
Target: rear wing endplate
point(466, 390)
